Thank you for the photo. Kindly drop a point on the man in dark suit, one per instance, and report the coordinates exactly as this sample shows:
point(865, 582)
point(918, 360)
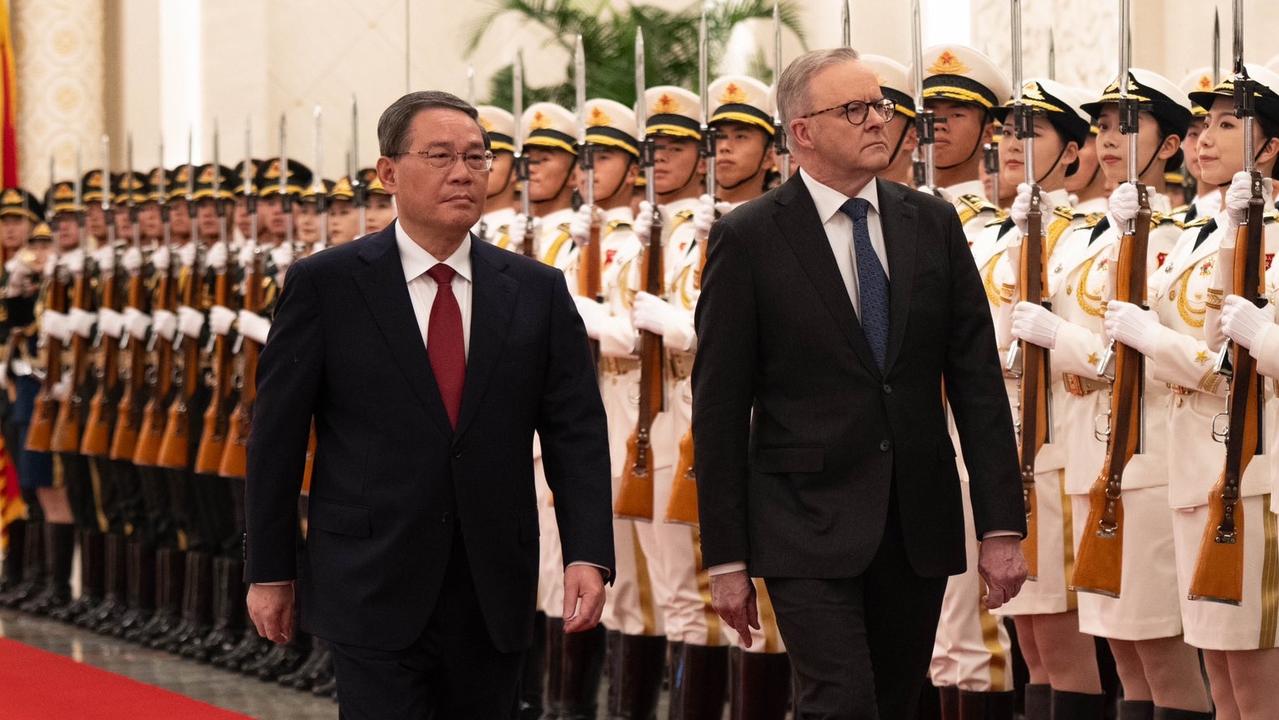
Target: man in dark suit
point(832, 311)
point(427, 359)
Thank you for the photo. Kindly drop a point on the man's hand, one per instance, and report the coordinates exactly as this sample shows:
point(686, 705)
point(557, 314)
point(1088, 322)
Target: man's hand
point(733, 597)
point(271, 609)
point(583, 597)
point(1001, 564)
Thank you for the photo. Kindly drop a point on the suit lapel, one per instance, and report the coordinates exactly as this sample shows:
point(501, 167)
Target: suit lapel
point(386, 292)
point(897, 219)
point(797, 219)
point(493, 294)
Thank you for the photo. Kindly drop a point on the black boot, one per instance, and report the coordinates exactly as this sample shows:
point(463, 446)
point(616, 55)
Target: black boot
point(1038, 702)
point(32, 562)
point(328, 688)
point(285, 661)
point(170, 578)
point(554, 704)
point(760, 686)
point(533, 675)
point(11, 572)
point(986, 705)
point(636, 672)
point(90, 543)
point(1077, 706)
point(699, 678)
point(196, 597)
point(297, 678)
point(106, 618)
point(947, 702)
point(139, 574)
point(228, 592)
point(1175, 714)
point(322, 674)
point(580, 668)
point(1136, 710)
point(59, 548)
point(251, 647)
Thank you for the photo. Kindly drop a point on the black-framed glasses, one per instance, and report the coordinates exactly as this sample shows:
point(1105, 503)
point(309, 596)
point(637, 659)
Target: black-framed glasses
point(444, 159)
point(855, 112)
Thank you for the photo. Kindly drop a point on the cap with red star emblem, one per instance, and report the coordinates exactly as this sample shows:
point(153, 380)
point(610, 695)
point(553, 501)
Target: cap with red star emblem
point(962, 74)
point(548, 125)
point(673, 111)
point(500, 127)
point(612, 124)
point(743, 99)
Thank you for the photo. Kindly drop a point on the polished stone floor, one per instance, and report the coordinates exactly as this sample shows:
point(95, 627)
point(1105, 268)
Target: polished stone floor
point(201, 682)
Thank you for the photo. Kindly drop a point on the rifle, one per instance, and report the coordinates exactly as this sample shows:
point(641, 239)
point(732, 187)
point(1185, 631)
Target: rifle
point(588, 264)
point(1218, 573)
point(779, 134)
point(925, 118)
point(124, 442)
point(234, 462)
point(68, 424)
point(635, 496)
point(151, 434)
point(682, 506)
point(102, 411)
point(208, 455)
point(529, 241)
point(1034, 416)
point(40, 432)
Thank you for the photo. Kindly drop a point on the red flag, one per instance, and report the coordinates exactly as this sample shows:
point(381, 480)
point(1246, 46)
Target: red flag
point(8, 102)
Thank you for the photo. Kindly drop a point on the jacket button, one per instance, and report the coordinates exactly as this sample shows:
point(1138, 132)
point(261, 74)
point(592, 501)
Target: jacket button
point(445, 518)
point(457, 454)
point(888, 389)
point(883, 445)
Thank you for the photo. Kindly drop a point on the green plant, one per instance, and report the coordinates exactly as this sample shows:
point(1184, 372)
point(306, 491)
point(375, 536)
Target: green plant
point(608, 37)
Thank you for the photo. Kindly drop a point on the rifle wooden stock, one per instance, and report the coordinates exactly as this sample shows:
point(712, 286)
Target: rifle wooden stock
point(1034, 388)
point(124, 441)
point(102, 408)
point(529, 237)
point(682, 507)
point(635, 496)
point(151, 433)
point(45, 410)
point(1218, 573)
point(175, 447)
point(588, 266)
point(234, 463)
point(208, 456)
point(1099, 562)
point(69, 423)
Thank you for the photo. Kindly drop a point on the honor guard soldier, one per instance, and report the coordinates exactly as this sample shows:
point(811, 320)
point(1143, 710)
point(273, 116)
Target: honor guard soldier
point(1087, 187)
point(1179, 333)
point(549, 133)
point(894, 81)
point(380, 209)
point(344, 220)
point(1207, 200)
point(309, 234)
point(271, 219)
point(499, 204)
point(243, 219)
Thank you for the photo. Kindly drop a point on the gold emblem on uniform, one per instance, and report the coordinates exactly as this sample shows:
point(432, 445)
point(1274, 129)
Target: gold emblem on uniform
point(95, 179)
point(484, 123)
point(1205, 82)
point(1033, 91)
point(666, 105)
point(273, 170)
point(64, 192)
point(539, 121)
point(183, 173)
point(1201, 357)
point(206, 175)
point(948, 64)
point(598, 117)
point(343, 185)
point(11, 196)
point(733, 93)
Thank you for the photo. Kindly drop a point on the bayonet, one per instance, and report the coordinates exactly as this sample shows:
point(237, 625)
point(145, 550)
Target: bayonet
point(359, 193)
point(521, 160)
point(1052, 55)
point(709, 149)
point(783, 152)
point(846, 23)
point(470, 84)
point(925, 119)
point(286, 203)
point(1216, 47)
point(317, 183)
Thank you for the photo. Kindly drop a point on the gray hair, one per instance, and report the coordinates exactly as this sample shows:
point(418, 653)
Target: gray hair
point(792, 87)
point(393, 126)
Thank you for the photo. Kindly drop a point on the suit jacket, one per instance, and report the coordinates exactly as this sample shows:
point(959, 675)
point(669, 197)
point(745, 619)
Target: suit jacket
point(799, 434)
point(392, 481)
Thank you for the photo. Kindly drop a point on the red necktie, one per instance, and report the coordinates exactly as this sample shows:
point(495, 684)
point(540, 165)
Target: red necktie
point(444, 341)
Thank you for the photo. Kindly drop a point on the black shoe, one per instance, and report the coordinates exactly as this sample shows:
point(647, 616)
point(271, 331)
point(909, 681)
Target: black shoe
point(326, 689)
point(59, 548)
point(251, 647)
point(288, 660)
point(196, 596)
point(106, 618)
point(14, 557)
point(169, 580)
point(636, 672)
point(32, 566)
point(301, 678)
point(139, 573)
point(228, 591)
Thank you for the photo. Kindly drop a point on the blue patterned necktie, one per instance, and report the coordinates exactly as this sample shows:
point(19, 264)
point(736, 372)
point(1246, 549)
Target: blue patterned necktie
point(872, 282)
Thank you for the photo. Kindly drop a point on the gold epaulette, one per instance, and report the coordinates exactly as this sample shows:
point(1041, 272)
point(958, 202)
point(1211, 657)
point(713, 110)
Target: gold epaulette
point(1158, 218)
point(1091, 219)
point(1180, 210)
point(1000, 217)
point(975, 205)
point(1197, 222)
point(1066, 212)
point(614, 225)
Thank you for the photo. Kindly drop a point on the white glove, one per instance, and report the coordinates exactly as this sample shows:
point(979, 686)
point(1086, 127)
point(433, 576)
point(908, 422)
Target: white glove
point(653, 314)
point(131, 261)
point(19, 272)
point(160, 258)
point(644, 221)
point(105, 258)
point(217, 257)
point(190, 321)
point(1132, 326)
point(220, 319)
point(254, 327)
point(186, 254)
point(1123, 207)
point(1244, 322)
point(579, 228)
point(1035, 324)
point(50, 265)
point(166, 324)
point(110, 322)
point(136, 323)
point(82, 322)
point(282, 256)
point(245, 257)
point(73, 262)
point(519, 226)
point(1021, 207)
point(703, 218)
point(593, 314)
point(55, 325)
point(1239, 194)
point(62, 390)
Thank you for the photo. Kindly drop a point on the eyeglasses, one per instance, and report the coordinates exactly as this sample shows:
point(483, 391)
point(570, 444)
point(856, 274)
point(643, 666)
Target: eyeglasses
point(444, 159)
point(855, 112)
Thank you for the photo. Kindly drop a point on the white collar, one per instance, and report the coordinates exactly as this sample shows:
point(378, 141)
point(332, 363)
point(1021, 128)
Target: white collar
point(829, 200)
point(417, 261)
point(968, 187)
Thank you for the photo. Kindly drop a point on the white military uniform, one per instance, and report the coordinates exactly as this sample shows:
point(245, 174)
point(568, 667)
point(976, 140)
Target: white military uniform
point(975, 211)
point(496, 227)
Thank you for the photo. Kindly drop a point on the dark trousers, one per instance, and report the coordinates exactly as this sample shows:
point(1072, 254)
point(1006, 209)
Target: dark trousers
point(860, 646)
point(451, 672)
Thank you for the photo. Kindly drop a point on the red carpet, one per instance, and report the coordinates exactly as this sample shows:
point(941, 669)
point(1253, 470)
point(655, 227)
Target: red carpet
point(38, 685)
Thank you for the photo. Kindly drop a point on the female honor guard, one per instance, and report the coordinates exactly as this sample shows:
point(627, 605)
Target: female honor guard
point(499, 202)
point(1144, 622)
point(1207, 200)
point(1057, 654)
point(1239, 641)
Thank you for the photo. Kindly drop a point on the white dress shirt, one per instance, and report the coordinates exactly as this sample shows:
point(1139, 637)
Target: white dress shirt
point(422, 288)
point(839, 230)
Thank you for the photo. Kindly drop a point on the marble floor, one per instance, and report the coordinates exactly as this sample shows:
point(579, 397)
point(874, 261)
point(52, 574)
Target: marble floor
point(217, 687)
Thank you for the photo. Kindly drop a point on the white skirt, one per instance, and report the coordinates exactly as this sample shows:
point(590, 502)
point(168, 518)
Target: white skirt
point(1048, 594)
point(1254, 624)
point(1147, 606)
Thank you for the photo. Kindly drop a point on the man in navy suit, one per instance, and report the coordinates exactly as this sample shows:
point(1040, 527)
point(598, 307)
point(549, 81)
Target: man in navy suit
point(427, 359)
